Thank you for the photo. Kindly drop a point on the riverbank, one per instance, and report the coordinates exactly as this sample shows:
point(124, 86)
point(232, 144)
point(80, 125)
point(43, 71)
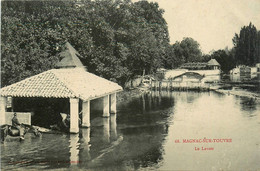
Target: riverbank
point(130, 93)
point(240, 93)
point(245, 89)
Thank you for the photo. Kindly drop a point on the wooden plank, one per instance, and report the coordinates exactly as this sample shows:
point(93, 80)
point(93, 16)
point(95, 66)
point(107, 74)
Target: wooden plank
point(23, 117)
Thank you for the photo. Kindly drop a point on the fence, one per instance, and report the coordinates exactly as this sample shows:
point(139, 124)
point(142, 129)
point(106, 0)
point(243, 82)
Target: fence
point(179, 86)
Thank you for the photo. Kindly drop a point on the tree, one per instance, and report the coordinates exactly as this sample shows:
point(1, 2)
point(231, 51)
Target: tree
point(174, 56)
point(188, 50)
point(117, 39)
point(33, 49)
point(191, 50)
point(224, 59)
point(247, 46)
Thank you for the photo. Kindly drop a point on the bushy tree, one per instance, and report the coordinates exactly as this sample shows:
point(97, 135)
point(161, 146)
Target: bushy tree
point(191, 50)
point(117, 39)
point(225, 60)
point(247, 46)
point(28, 45)
point(188, 50)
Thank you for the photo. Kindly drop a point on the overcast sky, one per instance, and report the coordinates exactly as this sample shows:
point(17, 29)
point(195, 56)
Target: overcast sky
point(212, 23)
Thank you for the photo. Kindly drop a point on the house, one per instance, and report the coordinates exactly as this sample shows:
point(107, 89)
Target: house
point(210, 70)
point(67, 89)
point(213, 64)
point(210, 65)
point(258, 67)
point(243, 73)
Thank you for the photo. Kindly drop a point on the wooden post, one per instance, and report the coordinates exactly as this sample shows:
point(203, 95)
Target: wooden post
point(113, 103)
point(86, 114)
point(106, 106)
point(74, 115)
point(2, 110)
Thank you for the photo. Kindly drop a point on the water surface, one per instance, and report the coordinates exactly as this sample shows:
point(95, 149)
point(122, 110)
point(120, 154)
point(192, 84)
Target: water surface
point(143, 135)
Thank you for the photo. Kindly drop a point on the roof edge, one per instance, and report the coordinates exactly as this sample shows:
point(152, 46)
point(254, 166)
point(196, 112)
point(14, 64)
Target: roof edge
point(116, 91)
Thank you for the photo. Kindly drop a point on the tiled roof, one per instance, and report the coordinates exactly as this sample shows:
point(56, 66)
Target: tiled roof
point(213, 62)
point(62, 83)
point(198, 65)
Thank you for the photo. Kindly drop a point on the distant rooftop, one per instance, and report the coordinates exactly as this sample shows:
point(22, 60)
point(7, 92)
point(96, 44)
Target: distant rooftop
point(194, 65)
point(200, 65)
point(213, 62)
point(69, 58)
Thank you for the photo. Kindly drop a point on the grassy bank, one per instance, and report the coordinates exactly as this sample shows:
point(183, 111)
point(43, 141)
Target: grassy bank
point(130, 93)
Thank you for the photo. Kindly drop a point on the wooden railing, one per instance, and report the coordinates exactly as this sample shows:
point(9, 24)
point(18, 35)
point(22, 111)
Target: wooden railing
point(176, 85)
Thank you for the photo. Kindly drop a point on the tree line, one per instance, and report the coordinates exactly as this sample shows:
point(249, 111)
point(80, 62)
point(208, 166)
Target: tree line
point(117, 39)
point(246, 51)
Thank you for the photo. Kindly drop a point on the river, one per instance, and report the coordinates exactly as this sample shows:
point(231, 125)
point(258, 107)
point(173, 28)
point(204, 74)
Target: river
point(155, 131)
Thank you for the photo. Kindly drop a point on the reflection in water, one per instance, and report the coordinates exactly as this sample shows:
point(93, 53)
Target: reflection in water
point(142, 136)
point(106, 130)
point(143, 102)
point(74, 150)
point(84, 154)
point(159, 97)
point(113, 127)
point(248, 104)
point(149, 101)
point(212, 116)
point(97, 141)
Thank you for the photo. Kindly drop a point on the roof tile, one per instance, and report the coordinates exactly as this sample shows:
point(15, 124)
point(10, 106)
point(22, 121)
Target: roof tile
point(62, 83)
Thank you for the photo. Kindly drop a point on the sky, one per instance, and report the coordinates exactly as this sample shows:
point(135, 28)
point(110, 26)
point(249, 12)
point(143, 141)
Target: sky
point(212, 23)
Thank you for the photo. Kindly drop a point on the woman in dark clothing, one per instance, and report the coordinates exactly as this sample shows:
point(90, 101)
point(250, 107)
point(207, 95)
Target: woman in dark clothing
point(17, 125)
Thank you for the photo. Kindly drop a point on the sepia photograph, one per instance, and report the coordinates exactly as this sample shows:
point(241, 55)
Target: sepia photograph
point(126, 85)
